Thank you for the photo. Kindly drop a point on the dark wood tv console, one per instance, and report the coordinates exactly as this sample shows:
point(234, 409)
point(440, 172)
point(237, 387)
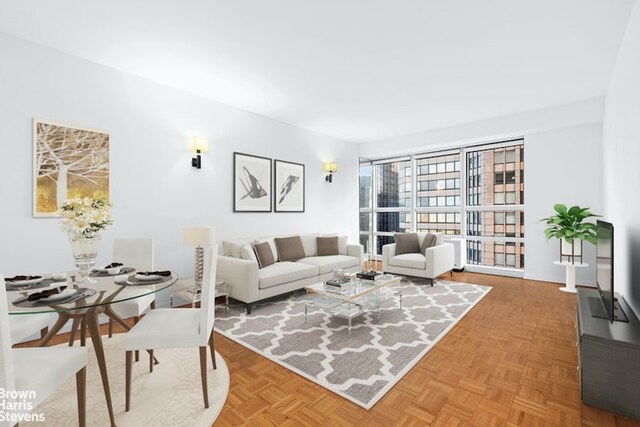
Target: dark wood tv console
point(609, 358)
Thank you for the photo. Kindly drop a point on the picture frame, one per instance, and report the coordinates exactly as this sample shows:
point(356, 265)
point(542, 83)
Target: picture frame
point(68, 162)
point(289, 186)
point(252, 183)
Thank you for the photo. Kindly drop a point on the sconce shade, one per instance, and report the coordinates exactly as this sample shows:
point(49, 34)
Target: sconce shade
point(330, 167)
point(199, 236)
point(198, 145)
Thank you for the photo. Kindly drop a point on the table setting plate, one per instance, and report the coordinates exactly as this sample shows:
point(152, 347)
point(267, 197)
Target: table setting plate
point(102, 272)
point(29, 280)
point(147, 277)
point(65, 294)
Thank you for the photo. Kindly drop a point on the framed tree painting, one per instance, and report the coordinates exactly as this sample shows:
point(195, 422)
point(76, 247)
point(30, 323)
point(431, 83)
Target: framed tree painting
point(68, 162)
point(251, 183)
point(289, 186)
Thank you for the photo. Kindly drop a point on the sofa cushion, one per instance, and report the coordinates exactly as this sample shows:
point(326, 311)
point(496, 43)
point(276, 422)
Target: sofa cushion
point(284, 272)
point(327, 246)
point(289, 248)
point(309, 243)
point(327, 264)
point(428, 241)
point(406, 243)
point(248, 253)
point(417, 261)
point(264, 254)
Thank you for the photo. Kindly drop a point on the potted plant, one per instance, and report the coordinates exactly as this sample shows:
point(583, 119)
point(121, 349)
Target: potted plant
point(568, 225)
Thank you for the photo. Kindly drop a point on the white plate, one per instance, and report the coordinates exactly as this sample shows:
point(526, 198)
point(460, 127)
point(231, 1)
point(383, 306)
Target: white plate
point(145, 278)
point(36, 279)
point(57, 297)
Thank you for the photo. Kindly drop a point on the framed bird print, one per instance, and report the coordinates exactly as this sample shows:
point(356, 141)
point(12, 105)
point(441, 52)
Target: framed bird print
point(251, 183)
point(288, 192)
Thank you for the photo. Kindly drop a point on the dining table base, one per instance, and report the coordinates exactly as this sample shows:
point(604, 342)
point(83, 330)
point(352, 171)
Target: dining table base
point(87, 320)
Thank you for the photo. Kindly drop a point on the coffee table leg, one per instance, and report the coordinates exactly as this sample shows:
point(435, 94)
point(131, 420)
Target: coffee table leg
point(94, 332)
point(305, 313)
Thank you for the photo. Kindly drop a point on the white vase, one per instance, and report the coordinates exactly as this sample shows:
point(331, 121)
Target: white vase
point(571, 249)
point(85, 251)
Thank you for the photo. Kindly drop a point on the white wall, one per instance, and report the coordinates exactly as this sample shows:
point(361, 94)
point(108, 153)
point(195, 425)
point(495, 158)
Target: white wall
point(563, 149)
point(622, 162)
point(154, 190)
point(561, 166)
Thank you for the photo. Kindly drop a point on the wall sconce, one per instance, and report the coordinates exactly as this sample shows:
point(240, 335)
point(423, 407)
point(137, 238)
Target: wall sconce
point(197, 145)
point(330, 168)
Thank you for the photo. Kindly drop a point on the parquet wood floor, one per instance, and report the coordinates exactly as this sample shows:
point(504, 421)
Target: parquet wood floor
point(511, 361)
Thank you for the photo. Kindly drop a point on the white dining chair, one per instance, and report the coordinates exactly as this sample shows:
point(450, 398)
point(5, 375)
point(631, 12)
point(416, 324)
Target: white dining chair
point(24, 326)
point(136, 253)
point(178, 327)
point(41, 370)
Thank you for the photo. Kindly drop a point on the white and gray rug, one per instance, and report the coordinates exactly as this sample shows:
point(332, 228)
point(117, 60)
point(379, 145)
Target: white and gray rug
point(361, 364)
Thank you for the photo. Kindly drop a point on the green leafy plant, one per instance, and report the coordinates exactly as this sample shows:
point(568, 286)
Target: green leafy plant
point(568, 223)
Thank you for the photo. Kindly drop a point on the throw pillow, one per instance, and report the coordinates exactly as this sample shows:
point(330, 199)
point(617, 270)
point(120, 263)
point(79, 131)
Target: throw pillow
point(264, 254)
point(272, 244)
point(342, 242)
point(289, 248)
point(327, 245)
point(406, 243)
point(429, 240)
point(248, 253)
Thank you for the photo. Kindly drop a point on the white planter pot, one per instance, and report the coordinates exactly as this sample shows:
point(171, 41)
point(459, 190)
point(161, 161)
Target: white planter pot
point(571, 250)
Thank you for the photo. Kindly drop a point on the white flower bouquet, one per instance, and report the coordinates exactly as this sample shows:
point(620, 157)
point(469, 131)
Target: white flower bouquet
point(84, 218)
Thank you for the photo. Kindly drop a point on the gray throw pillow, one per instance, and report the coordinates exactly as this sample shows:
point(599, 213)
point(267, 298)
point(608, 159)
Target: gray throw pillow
point(264, 254)
point(406, 243)
point(289, 248)
point(327, 246)
point(429, 240)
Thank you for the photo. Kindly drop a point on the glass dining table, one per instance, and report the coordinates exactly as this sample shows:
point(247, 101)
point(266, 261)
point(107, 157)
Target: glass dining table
point(83, 306)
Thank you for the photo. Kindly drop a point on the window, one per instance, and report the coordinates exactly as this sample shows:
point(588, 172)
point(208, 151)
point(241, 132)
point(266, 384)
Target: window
point(495, 224)
point(438, 195)
point(477, 192)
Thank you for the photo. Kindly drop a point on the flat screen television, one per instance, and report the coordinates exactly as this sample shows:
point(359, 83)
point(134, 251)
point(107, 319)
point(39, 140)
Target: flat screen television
point(604, 274)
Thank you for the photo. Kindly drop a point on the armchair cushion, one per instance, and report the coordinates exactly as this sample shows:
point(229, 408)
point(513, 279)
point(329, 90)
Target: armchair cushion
point(417, 261)
point(406, 243)
point(428, 241)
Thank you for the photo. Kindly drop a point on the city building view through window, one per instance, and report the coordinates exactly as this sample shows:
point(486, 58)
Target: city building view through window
point(473, 192)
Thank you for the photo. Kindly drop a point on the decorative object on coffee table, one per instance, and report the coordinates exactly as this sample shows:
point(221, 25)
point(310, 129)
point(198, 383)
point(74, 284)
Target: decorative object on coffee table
point(289, 186)
point(251, 183)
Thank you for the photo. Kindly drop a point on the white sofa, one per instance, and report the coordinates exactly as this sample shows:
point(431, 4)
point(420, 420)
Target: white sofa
point(248, 283)
point(436, 260)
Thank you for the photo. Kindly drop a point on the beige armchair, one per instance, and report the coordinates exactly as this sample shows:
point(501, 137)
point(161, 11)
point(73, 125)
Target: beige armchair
point(435, 261)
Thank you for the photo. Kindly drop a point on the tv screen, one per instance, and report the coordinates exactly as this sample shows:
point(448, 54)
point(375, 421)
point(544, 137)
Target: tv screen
point(604, 261)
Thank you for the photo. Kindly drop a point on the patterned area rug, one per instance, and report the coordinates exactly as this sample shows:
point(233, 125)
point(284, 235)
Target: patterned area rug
point(363, 363)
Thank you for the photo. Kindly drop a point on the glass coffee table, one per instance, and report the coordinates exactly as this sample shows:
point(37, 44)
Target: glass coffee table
point(353, 298)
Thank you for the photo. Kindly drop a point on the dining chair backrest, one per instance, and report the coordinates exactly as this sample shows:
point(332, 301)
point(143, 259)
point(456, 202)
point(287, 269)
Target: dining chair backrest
point(207, 301)
point(7, 378)
point(136, 253)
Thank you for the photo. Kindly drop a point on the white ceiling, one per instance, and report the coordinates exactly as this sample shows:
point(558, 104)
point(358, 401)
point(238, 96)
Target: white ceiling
point(360, 70)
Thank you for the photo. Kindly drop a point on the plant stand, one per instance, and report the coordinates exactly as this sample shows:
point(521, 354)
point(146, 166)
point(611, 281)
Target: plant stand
point(570, 279)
